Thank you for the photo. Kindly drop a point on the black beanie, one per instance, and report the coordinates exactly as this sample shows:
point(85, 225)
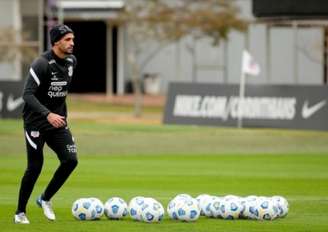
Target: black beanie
point(58, 31)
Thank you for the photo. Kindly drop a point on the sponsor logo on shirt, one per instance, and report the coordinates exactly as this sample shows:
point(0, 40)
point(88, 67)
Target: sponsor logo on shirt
point(56, 89)
point(59, 83)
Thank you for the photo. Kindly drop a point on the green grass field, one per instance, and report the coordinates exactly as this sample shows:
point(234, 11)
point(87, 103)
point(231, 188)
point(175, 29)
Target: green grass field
point(126, 160)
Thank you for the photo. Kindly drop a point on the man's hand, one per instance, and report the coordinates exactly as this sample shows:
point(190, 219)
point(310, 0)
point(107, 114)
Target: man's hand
point(56, 120)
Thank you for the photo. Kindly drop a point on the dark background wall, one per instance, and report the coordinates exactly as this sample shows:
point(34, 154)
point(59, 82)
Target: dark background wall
point(90, 51)
point(292, 8)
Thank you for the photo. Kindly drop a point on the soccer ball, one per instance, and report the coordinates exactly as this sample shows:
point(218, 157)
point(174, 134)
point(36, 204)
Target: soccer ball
point(251, 210)
point(134, 207)
point(187, 210)
point(202, 199)
point(214, 206)
point(246, 203)
point(83, 209)
point(116, 208)
point(171, 206)
point(230, 208)
point(268, 210)
point(171, 209)
point(99, 206)
point(205, 205)
point(282, 205)
point(152, 210)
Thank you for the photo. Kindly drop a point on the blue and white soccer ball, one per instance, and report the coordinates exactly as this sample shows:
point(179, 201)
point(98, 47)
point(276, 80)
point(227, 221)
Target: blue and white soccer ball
point(204, 204)
point(99, 206)
point(282, 204)
point(214, 206)
point(83, 209)
point(187, 209)
point(134, 207)
point(267, 209)
point(116, 208)
point(152, 210)
point(171, 209)
point(230, 207)
point(171, 206)
point(249, 207)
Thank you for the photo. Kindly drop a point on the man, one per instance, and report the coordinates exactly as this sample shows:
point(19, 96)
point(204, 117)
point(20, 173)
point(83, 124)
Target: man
point(45, 121)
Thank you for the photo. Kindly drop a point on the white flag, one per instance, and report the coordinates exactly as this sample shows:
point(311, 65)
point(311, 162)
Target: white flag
point(249, 64)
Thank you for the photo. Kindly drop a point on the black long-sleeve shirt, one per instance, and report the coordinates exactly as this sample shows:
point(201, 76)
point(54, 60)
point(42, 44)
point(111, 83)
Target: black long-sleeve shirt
point(46, 88)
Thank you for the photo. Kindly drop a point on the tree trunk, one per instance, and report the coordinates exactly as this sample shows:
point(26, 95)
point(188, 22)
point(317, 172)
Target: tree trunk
point(136, 83)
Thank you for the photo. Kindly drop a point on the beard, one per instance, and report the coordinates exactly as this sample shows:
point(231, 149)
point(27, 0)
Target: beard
point(68, 51)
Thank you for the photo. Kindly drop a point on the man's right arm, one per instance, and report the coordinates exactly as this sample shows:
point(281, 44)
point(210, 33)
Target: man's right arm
point(36, 74)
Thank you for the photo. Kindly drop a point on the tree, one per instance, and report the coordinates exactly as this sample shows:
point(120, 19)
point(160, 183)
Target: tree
point(167, 21)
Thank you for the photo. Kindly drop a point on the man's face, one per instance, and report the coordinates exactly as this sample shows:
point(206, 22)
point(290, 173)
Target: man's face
point(66, 44)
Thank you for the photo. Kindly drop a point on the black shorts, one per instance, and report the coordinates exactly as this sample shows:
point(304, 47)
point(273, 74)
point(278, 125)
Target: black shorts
point(60, 140)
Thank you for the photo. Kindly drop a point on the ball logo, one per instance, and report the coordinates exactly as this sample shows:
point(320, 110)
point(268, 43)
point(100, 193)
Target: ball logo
point(149, 216)
point(133, 212)
point(193, 214)
point(115, 209)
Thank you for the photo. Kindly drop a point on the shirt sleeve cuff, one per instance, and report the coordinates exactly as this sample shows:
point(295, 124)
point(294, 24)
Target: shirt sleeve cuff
point(45, 113)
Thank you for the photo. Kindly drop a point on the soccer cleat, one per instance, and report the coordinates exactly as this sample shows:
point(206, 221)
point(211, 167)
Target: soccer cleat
point(21, 219)
point(47, 208)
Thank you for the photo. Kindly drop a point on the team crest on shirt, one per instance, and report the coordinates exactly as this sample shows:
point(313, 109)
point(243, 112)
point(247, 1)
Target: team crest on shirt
point(70, 71)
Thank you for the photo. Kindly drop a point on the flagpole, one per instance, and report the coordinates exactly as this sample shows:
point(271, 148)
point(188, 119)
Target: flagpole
point(241, 98)
point(248, 66)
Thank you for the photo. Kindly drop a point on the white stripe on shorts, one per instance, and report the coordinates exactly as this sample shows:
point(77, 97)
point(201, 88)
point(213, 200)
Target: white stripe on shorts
point(30, 141)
